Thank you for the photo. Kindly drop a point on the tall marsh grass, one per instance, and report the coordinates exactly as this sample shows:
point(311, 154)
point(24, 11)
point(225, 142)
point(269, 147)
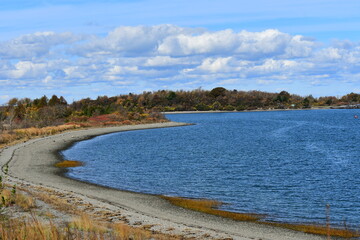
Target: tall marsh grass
point(33, 132)
point(82, 227)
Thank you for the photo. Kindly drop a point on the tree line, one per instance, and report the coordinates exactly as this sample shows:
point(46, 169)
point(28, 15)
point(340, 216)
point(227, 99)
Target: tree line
point(145, 107)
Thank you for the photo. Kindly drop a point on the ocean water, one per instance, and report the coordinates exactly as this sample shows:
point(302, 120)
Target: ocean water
point(285, 164)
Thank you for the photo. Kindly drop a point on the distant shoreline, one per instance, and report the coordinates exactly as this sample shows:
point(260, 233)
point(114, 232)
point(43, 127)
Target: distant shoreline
point(32, 162)
point(256, 110)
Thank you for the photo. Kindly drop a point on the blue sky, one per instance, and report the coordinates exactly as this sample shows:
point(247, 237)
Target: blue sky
point(88, 48)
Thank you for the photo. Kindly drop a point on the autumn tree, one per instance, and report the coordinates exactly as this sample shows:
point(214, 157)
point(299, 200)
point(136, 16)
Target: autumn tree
point(218, 91)
point(306, 103)
point(42, 102)
point(283, 97)
point(54, 100)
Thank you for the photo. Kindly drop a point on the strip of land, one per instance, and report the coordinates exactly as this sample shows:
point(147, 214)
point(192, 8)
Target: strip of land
point(32, 164)
point(253, 110)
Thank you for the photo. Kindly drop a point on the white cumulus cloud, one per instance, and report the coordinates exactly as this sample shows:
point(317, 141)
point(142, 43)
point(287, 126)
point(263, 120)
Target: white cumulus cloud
point(216, 65)
point(245, 44)
point(153, 57)
point(34, 45)
point(27, 69)
point(129, 41)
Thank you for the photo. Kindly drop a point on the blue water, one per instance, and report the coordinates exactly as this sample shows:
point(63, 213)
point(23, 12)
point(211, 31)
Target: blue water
point(287, 164)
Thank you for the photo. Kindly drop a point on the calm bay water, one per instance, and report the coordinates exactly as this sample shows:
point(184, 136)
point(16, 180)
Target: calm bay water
point(286, 164)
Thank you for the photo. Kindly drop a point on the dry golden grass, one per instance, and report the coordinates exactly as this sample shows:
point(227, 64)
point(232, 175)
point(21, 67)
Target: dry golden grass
point(209, 207)
point(58, 203)
point(32, 229)
point(68, 163)
point(84, 223)
point(8, 198)
point(124, 232)
point(82, 228)
point(31, 132)
point(13, 137)
point(25, 202)
point(7, 138)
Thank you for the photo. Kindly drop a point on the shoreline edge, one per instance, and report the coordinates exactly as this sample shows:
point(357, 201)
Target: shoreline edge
point(33, 162)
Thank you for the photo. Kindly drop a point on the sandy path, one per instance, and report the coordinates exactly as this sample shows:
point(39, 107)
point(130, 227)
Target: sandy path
point(32, 162)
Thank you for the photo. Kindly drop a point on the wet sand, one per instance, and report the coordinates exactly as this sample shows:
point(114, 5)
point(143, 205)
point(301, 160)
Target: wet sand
point(32, 163)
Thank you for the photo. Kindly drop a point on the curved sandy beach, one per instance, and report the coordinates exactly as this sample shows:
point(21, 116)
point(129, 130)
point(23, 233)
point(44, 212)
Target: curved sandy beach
point(32, 163)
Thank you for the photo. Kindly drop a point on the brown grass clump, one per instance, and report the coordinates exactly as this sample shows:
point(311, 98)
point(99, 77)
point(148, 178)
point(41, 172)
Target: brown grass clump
point(32, 229)
point(68, 163)
point(57, 202)
point(25, 202)
point(209, 206)
point(123, 231)
point(7, 138)
point(9, 198)
point(6, 198)
point(84, 223)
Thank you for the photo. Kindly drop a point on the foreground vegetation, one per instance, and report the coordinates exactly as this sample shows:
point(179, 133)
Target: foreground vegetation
point(31, 224)
point(82, 227)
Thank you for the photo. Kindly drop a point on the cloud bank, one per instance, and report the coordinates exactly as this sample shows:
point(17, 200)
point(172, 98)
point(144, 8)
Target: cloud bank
point(167, 56)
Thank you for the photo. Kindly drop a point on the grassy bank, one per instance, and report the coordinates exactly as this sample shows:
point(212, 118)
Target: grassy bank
point(30, 222)
point(82, 227)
